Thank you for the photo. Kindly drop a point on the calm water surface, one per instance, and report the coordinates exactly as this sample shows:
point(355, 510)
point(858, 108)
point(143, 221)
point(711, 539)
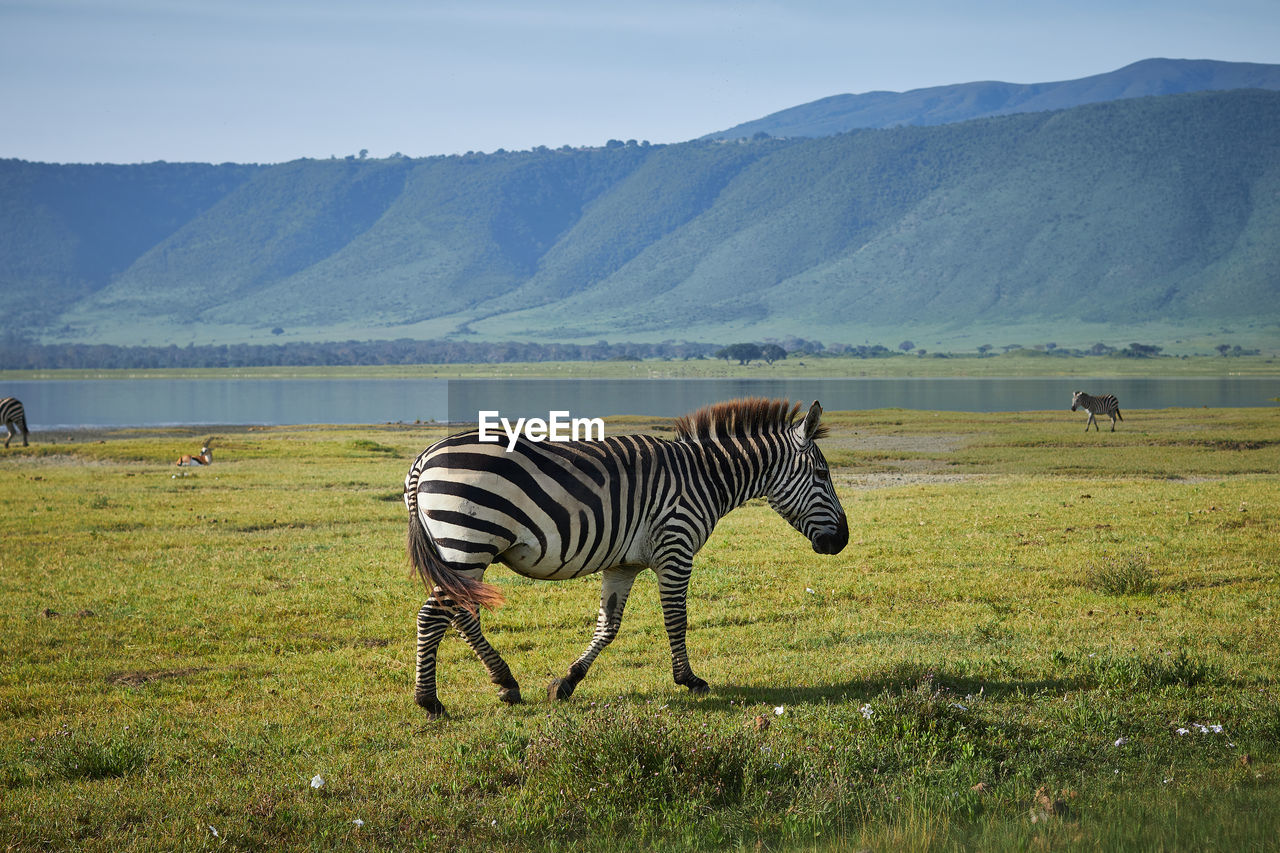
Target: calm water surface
point(164, 402)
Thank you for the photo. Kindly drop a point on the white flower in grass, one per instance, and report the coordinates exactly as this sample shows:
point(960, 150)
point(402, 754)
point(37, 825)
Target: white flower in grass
point(358, 822)
point(1121, 741)
point(1182, 731)
point(867, 711)
point(317, 781)
point(780, 710)
point(809, 590)
point(214, 831)
point(1217, 730)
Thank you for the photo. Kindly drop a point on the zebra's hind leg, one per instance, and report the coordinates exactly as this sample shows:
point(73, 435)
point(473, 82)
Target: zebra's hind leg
point(615, 589)
point(468, 626)
point(433, 622)
point(673, 589)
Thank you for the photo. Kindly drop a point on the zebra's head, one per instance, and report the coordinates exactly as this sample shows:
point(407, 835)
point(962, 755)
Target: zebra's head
point(801, 490)
point(1075, 399)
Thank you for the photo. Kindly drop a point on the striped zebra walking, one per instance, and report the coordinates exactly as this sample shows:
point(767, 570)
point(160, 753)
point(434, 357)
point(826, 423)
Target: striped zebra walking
point(14, 419)
point(1107, 404)
point(618, 506)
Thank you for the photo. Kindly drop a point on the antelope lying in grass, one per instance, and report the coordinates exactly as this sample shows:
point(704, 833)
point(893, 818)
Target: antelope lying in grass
point(205, 458)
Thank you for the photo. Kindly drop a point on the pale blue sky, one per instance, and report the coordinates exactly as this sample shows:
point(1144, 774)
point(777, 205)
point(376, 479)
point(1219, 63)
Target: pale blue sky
point(128, 81)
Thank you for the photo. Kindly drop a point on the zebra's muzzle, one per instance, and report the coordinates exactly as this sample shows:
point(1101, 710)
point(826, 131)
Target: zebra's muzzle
point(833, 543)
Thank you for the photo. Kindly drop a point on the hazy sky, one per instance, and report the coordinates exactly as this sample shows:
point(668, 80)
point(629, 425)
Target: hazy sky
point(265, 81)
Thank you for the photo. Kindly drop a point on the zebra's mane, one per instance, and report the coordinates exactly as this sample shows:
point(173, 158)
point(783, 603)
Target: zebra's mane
point(742, 417)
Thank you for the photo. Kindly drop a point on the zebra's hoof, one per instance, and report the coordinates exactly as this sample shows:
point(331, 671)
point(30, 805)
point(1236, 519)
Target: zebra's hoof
point(696, 685)
point(510, 695)
point(560, 689)
point(432, 706)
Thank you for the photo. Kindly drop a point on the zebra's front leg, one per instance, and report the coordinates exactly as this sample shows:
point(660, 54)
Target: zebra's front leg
point(468, 624)
point(673, 589)
point(614, 590)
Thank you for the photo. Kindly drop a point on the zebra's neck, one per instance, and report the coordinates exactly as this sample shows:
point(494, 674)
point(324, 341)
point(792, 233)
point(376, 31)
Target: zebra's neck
point(731, 472)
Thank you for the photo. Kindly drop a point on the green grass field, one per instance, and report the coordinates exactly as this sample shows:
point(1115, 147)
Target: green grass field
point(1036, 639)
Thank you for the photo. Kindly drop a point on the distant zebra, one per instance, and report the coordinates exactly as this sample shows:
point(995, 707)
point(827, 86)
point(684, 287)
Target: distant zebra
point(618, 505)
point(14, 419)
point(1107, 404)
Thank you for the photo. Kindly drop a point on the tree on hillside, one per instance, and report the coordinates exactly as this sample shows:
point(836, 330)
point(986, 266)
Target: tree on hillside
point(1223, 349)
point(1141, 351)
point(744, 352)
point(984, 349)
point(906, 346)
point(772, 352)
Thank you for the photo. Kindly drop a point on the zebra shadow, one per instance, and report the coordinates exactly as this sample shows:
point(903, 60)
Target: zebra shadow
point(897, 680)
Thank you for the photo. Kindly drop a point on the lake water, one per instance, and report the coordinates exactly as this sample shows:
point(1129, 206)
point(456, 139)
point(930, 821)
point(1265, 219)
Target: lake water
point(163, 402)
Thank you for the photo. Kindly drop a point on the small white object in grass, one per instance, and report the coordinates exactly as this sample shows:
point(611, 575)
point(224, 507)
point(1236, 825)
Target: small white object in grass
point(214, 831)
point(866, 711)
point(358, 822)
point(780, 710)
point(317, 781)
point(1183, 731)
point(809, 590)
point(1217, 730)
point(1121, 741)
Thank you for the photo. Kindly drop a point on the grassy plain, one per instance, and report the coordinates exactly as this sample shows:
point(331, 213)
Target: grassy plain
point(1036, 638)
point(1012, 364)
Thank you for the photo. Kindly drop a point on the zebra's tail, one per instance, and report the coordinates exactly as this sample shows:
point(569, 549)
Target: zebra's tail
point(425, 559)
point(1118, 415)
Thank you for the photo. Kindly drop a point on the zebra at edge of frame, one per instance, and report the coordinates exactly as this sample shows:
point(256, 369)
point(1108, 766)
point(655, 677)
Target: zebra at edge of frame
point(13, 415)
point(618, 506)
point(1107, 404)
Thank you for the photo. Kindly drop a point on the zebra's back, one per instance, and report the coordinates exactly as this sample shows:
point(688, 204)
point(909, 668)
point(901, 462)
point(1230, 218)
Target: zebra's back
point(11, 412)
point(547, 510)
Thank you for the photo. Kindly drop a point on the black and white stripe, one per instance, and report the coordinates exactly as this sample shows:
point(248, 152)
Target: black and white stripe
point(1107, 404)
point(618, 506)
point(14, 419)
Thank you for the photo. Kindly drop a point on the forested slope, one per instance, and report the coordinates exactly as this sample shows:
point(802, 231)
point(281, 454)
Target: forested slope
point(1132, 212)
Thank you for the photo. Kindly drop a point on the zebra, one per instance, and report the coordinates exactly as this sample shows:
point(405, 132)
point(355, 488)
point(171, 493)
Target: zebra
point(617, 506)
point(14, 419)
point(1107, 404)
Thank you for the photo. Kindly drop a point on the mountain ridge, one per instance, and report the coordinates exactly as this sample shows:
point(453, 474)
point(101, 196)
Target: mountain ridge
point(957, 102)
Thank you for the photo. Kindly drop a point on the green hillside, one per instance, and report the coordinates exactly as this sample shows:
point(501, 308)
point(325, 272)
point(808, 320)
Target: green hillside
point(65, 231)
point(1152, 215)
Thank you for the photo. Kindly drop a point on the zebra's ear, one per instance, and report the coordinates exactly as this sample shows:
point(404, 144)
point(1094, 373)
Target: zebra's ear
point(809, 428)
